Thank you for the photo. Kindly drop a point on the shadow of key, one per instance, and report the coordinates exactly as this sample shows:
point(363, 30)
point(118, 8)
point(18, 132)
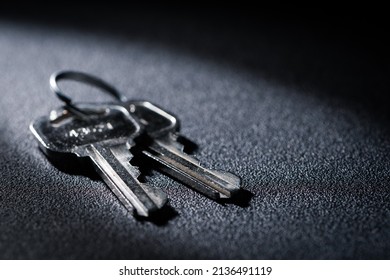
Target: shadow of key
point(73, 165)
point(189, 146)
point(161, 217)
point(242, 198)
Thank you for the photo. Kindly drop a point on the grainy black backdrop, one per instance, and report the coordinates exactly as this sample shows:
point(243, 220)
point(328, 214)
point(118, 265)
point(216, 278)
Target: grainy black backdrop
point(296, 103)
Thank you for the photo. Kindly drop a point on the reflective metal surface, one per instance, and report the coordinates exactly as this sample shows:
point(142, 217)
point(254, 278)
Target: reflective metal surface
point(106, 139)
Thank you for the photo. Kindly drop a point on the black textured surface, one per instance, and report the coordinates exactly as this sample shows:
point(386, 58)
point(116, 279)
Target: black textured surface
point(301, 115)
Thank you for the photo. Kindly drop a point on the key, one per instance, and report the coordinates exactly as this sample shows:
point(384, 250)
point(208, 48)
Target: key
point(105, 138)
point(162, 130)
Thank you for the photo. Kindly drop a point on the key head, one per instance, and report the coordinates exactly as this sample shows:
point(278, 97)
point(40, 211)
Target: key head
point(157, 122)
point(64, 132)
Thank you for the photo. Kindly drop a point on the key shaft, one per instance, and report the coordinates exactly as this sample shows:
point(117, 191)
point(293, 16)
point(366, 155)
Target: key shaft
point(113, 165)
point(163, 149)
point(184, 168)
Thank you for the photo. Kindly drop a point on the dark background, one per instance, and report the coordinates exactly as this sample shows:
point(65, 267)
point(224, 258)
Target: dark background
point(294, 102)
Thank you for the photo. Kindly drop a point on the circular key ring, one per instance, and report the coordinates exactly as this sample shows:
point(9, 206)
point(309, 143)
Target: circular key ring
point(84, 78)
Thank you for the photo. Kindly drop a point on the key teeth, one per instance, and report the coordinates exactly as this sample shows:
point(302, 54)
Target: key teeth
point(135, 169)
point(136, 172)
point(158, 197)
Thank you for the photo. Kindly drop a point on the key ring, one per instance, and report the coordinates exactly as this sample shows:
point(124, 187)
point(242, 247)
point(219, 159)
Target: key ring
point(84, 78)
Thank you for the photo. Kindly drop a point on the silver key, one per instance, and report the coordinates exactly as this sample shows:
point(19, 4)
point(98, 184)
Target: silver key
point(162, 130)
point(105, 138)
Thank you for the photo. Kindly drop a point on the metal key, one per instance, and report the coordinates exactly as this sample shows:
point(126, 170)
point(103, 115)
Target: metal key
point(162, 130)
point(105, 138)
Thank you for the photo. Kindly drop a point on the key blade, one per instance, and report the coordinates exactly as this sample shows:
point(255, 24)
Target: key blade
point(112, 163)
point(105, 138)
point(123, 154)
point(162, 147)
point(214, 184)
